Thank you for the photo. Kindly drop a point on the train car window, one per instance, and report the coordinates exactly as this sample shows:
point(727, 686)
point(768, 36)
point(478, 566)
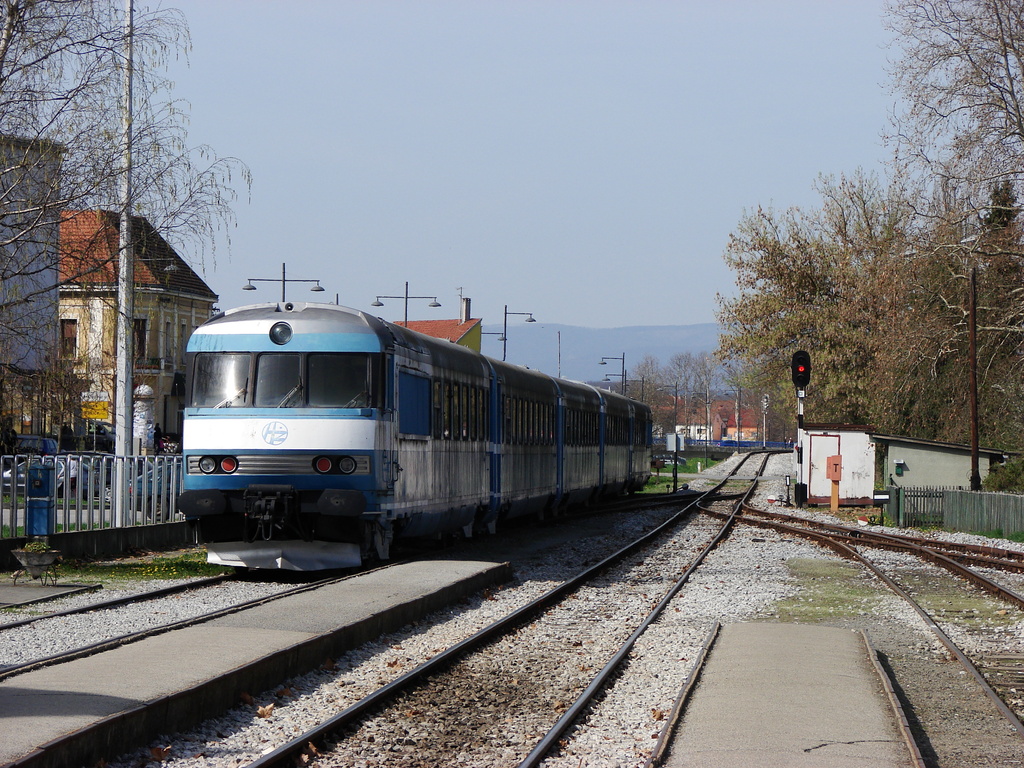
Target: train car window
point(447, 410)
point(463, 412)
point(474, 431)
point(341, 380)
point(485, 415)
point(438, 409)
point(278, 381)
point(220, 379)
point(413, 404)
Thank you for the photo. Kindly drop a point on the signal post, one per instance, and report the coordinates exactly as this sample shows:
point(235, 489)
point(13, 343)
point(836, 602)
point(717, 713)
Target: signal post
point(801, 366)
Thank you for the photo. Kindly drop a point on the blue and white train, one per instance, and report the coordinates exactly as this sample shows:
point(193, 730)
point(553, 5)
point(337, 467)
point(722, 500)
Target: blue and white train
point(316, 434)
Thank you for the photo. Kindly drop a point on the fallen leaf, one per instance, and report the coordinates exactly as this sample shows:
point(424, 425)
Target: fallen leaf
point(265, 711)
point(658, 714)
point(247, 699)
point(160, 753)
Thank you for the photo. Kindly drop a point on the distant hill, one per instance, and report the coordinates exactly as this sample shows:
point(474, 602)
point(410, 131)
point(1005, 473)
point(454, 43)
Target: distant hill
point(536, 345)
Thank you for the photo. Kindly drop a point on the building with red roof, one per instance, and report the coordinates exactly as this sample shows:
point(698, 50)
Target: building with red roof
point(466, 331)
point(171, 300)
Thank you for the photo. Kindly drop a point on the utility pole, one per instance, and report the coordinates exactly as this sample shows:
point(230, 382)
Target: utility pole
point(125, 284)
point(972, 335)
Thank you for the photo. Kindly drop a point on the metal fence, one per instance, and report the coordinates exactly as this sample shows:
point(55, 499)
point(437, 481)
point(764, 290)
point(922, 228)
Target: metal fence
point(91, 491)
point(956, 509)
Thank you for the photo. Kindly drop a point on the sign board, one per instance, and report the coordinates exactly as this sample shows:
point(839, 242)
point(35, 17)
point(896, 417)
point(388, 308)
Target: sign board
point(96, 409)
point(675, 442)
point(834, 468)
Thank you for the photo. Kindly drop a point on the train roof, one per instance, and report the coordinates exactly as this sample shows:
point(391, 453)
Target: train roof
point(248, 328)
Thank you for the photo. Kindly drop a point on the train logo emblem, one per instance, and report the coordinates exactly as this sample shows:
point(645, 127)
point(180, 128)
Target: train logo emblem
point(275, 433)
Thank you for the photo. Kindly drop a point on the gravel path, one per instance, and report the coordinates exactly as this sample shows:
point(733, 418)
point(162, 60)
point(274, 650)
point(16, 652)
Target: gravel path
point(61, 634)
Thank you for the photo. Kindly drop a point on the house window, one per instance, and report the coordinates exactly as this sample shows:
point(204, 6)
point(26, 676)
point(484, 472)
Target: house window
point(69, 338)
point(140, 338)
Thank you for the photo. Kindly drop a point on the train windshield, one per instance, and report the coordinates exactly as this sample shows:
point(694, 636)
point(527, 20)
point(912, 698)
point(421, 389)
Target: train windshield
point(285, 380)
point(220, 380)
point(341, 380)
point(278, 381)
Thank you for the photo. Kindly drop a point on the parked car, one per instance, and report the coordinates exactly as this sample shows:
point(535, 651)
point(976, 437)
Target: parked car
point(36, 445)
point(98, 436)
point(15, 474)
point(149, 487)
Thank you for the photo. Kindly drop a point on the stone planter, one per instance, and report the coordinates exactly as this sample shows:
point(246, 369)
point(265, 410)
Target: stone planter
point(38, 564)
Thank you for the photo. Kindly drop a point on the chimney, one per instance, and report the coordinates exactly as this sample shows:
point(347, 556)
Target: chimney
point(464, 313)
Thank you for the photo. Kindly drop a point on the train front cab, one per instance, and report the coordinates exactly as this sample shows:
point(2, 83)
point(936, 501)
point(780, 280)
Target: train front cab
point(280, 435)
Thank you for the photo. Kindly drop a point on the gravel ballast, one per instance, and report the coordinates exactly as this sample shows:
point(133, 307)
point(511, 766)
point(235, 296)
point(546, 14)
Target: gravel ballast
point(748, 578)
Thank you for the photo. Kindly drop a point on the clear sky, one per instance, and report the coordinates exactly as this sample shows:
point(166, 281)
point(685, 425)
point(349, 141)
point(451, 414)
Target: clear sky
point(584, 160)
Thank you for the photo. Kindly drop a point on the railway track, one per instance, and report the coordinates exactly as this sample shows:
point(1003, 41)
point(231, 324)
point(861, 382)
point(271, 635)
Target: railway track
point(89, 629)
point(623, 522)
point(929, 594)
point(514, 707)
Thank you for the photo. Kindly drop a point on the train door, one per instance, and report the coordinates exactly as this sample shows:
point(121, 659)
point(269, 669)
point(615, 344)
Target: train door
point(414, 400)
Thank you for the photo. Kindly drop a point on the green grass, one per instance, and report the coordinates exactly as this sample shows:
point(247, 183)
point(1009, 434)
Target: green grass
point(997, 533)
point(157, 567)
point(828, 589)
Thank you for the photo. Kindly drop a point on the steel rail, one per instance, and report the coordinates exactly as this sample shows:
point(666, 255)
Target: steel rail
point(115, 602)
point(974, 554)
point(552, 737)
point(850, 553)
point(910, 546)
point(299, 746)
point(132, 637)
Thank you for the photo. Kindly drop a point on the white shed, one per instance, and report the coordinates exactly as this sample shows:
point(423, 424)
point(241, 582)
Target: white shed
point(843, 452)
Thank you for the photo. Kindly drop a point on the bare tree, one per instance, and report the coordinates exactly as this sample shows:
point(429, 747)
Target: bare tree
point(961, 77)
point(62, 148)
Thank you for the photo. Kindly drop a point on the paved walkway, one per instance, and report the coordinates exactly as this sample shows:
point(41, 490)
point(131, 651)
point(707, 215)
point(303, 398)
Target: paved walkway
point(117, 700)
point(789, 696)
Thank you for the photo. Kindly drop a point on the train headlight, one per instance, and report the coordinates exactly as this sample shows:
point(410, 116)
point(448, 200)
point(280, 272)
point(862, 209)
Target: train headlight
point(346, 465)
point(280, 333)
point(208, 465)
point(323, 464)
point(228, 464)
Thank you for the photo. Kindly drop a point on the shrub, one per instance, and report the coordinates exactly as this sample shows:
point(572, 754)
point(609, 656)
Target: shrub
point(1008, 477)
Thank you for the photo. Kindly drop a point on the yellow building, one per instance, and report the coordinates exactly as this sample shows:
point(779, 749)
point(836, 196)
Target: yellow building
point(171, 301)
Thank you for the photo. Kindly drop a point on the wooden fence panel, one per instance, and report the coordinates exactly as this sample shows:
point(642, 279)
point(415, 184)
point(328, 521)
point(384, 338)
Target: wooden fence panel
point(957, 510)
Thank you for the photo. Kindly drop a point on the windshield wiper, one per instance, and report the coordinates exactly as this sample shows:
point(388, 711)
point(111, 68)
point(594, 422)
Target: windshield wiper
point(227, 400)
point(293, 392)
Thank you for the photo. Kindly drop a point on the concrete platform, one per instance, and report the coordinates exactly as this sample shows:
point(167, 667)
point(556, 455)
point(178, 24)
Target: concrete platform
point(27, 592)
point(789, 696)
point(98, 707)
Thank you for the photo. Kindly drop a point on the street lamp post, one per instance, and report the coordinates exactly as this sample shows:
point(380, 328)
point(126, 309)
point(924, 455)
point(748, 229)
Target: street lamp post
point(406, 297)
point(504, 333)
point(284, 280)
point(604, 361)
